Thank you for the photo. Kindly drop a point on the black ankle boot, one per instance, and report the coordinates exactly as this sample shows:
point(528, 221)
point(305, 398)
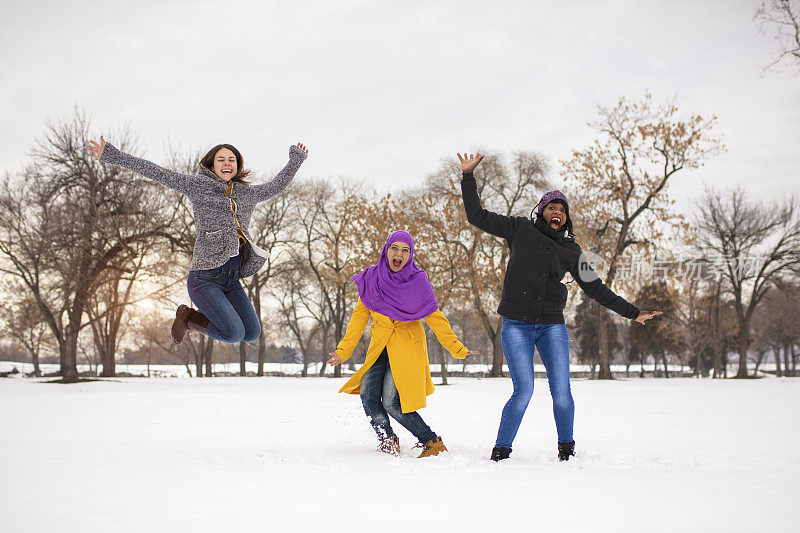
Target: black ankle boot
point(566, 450)
point(179, 327)
point(498, 453)
point(197, 321)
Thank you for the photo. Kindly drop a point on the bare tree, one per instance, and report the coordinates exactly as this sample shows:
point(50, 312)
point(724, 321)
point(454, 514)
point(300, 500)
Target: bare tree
point(65, 222)
point(660, 338)
point(756, 247)
point(272, 226)
point(301, 312)
point(777, 327)
point(24, 323)
point(120, 286)
point(327, 239)
point(618, 186)
point(783, 18)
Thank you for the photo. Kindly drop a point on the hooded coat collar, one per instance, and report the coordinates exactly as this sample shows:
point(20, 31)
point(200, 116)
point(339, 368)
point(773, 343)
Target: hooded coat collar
point(544, 227)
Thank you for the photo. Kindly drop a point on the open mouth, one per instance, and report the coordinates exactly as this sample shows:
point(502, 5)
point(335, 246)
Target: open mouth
point(555, 221)
point(396, 263)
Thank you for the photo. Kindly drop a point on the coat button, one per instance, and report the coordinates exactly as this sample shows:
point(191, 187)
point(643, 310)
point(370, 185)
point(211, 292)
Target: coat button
point(551, 247)
point(524, 317)
point(543, 274)
point(538, 297)
point(541, 245)
point(536, 319)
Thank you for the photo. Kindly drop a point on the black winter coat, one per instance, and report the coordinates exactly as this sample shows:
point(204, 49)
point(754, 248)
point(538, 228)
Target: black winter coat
point(540, 257)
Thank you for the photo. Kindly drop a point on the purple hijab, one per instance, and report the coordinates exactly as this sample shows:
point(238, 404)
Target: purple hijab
point(403, 295)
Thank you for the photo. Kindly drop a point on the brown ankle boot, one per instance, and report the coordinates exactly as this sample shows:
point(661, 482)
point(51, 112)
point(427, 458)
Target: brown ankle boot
point(390, 445)
point(179, 327)
point(435, 446)
point(197, 321)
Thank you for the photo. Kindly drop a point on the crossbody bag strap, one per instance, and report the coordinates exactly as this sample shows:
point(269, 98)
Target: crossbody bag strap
point(242, 238)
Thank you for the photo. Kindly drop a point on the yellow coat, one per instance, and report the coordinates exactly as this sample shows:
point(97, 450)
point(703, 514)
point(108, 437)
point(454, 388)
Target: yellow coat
point(408, 352)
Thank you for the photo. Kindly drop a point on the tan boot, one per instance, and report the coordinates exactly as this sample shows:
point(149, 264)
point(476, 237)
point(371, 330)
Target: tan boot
point(390, 445)
point(434, 446)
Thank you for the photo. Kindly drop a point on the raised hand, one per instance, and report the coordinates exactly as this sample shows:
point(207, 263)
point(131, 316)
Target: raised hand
point(334, 360)
point(97, 148)
point(469, 163)
point(646, 315)
point(302, 147)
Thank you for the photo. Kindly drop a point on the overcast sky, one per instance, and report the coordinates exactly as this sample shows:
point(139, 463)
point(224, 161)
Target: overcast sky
point(383, 90)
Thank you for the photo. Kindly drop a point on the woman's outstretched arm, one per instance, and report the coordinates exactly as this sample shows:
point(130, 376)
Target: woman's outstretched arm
point(107, 153)
point(590, 283)
point(493, 223)
point(446, 336)
point(355, 329)
point(263, 191)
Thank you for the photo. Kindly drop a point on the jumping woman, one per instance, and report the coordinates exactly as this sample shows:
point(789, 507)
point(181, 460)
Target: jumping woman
point(224, 251)
point(533, 301)
point(395, 377)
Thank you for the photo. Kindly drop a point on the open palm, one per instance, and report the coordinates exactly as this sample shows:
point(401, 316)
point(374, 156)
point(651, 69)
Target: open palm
point(470, 162)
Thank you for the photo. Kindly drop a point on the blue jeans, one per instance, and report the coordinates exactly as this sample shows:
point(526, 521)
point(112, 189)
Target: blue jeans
point(380, 398)
point(519, 339)
point(218, 294)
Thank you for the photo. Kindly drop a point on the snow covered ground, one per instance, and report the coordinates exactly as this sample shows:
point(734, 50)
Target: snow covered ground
point(287, 454)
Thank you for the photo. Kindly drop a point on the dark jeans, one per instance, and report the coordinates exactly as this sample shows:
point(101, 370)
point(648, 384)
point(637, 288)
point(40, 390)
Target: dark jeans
point(218, 294)
point(519, 340)
point(380, 398)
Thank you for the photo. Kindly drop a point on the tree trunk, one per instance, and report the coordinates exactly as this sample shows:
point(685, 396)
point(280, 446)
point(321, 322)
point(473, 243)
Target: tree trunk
point(717, 362)
point(107, 355)
point(338, 334)
point(604, 343)
point(744, 344)
point(497, 354)
point(262, 348)
point(262, 354)
point(665, 363)
point(787, 355)
point(207, 346)
point(109, 364)
point(759, 359)
point(325, 352)
point(69, 354)
point(37, 372)
point(442, 362)
point(242, 359)
point(700, 365)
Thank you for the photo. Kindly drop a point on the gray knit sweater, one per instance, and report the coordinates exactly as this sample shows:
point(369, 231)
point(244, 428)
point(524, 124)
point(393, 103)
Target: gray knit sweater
point(217, 237)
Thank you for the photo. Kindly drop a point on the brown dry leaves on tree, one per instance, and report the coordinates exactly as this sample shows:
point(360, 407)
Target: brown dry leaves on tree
point(618, 185)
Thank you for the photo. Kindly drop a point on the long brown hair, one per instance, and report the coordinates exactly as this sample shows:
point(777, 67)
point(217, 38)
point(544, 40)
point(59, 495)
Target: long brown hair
point(208, 162)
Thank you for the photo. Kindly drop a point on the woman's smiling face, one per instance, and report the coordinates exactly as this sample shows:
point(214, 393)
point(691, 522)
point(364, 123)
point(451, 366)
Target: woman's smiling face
point(225, 164)
point(555, 214)
point(398, 255)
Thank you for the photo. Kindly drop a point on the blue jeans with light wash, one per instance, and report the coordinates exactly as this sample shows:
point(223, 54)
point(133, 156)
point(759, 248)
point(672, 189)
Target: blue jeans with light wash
point(519, 339)
point(380, 399)
point(218, 294)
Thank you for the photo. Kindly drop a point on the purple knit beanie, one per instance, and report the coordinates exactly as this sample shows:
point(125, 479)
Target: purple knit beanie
point(549, 197)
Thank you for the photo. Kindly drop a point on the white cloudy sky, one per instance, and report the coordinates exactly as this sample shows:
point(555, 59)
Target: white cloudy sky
point(382, 90)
